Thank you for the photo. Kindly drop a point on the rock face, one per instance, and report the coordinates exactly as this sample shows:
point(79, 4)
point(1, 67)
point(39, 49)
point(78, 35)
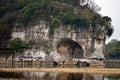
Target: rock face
point(70, 43)
point(69, 48)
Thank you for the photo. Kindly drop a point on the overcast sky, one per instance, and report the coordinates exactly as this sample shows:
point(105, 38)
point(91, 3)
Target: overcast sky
point(111, 8)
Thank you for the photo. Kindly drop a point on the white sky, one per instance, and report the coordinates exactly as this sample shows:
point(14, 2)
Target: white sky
point(111, 8)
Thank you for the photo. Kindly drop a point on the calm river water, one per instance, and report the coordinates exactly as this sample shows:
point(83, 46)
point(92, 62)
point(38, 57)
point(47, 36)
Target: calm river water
point(56, 76)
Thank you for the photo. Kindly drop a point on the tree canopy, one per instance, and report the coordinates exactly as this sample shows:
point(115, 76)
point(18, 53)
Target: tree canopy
point(113, 46)
point(113, 49)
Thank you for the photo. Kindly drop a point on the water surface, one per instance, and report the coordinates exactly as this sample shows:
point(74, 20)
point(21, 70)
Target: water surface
point(56, 76)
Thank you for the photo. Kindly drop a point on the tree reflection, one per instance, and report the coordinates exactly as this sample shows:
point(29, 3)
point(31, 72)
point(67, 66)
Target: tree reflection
point(55, 76)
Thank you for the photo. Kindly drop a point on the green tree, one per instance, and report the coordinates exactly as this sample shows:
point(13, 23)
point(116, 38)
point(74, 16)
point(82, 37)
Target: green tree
point(108, 26)
point(55, 23)
point(80, 21)
point(94, 24)
point(67, 17)
point(16, 44)
point(113, 46)
point(30, 13)
point(112, 49)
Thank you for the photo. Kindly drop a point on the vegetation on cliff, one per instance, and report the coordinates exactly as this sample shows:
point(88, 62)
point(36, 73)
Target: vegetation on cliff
point(77, 13)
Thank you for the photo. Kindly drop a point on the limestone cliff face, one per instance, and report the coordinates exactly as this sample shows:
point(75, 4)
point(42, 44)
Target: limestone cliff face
point(70, 42)
point(83, 39)
point(36, 32)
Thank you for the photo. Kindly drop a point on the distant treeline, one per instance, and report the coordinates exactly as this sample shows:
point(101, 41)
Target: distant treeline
point(112, 49)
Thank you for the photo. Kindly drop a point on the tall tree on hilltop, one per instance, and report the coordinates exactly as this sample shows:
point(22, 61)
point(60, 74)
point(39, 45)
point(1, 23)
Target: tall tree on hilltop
point(108, 26)
point(94, 25)
point(100, 26)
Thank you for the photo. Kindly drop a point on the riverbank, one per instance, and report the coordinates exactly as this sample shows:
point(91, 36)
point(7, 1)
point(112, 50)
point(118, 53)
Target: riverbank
point(70, 70)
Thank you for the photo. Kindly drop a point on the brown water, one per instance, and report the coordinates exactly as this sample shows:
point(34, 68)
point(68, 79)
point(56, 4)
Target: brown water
point(56, 76)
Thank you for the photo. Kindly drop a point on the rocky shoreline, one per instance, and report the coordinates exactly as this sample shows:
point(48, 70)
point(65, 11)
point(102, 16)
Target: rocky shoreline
point(69, 70)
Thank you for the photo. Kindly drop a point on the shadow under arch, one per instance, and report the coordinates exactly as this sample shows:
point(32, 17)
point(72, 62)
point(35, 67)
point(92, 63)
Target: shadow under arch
point(69, 48)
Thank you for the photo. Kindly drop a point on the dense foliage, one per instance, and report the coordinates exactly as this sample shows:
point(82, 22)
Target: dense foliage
point(113, 49)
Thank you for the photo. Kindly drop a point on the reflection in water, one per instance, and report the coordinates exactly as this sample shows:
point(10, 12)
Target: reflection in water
point(55, 76)
point(112, 77)
point(70, 76)
point(10, 75)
